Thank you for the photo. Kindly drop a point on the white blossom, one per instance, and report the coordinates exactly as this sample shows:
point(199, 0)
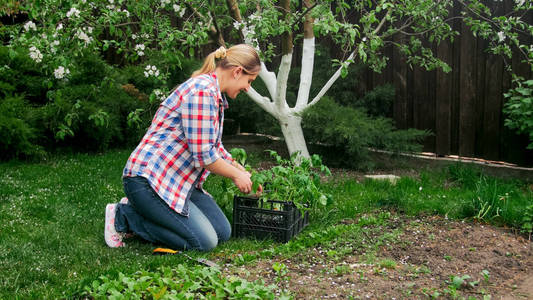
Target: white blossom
point(237, 24)
point(35, 54)
point(134, 36)
point(520, 2)
point(179, 10)
point(140, 49)
point(165, 2)
point(160, 94)
point(501, 36)
point(29, 26)
point(59, 27)
point(254, 17)
point(73, 12)
point(126, 12)
point(53, 46)
point(151, 71)
point(84, 37)
point(60, 72)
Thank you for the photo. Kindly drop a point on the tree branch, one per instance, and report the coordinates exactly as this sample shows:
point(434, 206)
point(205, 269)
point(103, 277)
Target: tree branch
point(262, 101)
point(308, 10)
point(336, 75)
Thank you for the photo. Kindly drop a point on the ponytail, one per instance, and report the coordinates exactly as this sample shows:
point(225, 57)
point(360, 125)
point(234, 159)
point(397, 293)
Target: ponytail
point(241, 55)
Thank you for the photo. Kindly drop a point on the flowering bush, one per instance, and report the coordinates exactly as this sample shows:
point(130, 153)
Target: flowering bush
point(58, 31)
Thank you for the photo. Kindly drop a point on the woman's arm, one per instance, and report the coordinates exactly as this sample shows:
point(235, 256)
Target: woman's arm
point(240, 178)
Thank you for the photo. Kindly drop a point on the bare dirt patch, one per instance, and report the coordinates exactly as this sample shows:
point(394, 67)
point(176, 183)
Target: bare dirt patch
point(420, 259)
point(416, 258)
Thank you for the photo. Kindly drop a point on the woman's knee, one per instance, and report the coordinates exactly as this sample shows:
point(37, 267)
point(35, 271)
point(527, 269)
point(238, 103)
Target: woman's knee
point(207, 240)
point(224, 233)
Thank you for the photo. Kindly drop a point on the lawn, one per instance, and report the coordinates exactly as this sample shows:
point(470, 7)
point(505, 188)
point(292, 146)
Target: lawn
point(52, 212)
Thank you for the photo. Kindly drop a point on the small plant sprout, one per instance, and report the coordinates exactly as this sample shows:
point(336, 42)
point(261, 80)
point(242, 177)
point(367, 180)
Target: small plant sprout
point(281, 271)
point(388, 264)
point(458, 282)
point(486, 275)
point(341, 270)
point(527, 221)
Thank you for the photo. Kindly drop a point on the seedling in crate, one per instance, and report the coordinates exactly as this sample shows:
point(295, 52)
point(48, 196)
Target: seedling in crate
point(296, 180)
point(290, 189)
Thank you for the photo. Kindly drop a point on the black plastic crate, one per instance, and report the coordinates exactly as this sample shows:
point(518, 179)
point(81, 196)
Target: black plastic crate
point(277, 220)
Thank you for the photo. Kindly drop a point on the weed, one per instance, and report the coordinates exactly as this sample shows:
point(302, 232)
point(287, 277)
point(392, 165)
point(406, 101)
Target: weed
point(179, 282)
point(447, 257)
point(486, 275)
point(388, 264)
point(281, 271)
point(361, 275)
point(341, 270)
point(527, 221)
point(432, 293)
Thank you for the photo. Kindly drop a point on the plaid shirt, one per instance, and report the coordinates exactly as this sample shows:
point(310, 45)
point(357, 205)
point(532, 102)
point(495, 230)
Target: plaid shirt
point(185, 136)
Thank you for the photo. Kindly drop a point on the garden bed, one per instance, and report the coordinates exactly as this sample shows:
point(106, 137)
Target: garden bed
point(414, 258)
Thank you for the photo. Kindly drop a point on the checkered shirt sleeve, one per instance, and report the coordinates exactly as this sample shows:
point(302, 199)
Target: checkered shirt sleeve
point(199, 114)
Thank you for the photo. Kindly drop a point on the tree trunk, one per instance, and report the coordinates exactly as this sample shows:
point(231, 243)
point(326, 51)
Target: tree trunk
point(291, 126)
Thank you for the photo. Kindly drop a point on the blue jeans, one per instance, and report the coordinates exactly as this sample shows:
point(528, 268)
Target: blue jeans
point(151, 218)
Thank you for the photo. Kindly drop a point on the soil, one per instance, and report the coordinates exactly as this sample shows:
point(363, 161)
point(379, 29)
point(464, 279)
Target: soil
point(420, 263)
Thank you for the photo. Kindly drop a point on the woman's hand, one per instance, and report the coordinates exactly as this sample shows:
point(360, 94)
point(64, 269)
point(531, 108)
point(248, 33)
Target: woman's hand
point(243, 182)
point(259, 191)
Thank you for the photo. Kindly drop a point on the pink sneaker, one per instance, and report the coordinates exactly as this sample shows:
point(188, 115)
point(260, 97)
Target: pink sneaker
point(112, 238)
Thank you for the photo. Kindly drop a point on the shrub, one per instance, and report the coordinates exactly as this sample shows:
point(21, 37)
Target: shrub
point(519, 109)
point(95, 107)
point(17, 135)
point(349, 132)
point(19, 75)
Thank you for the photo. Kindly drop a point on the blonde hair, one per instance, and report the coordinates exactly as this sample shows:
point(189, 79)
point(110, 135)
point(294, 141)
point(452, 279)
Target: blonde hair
point(240, 55)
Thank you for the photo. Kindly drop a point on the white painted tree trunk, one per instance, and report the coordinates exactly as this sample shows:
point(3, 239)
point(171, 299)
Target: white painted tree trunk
point(291, 127)
point(289, 118)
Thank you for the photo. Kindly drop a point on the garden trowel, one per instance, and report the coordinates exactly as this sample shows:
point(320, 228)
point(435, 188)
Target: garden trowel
point(203, 261)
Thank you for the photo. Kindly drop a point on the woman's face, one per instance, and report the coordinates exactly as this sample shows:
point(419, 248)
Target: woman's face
point(240, 82)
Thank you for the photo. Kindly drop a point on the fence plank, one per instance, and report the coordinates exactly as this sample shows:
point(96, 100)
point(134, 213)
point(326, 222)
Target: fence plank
point(467, 97)
point(464, 107)
point(443, 99)
point(481, 62)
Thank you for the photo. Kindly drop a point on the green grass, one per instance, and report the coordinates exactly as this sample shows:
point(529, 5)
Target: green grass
point(52, 216)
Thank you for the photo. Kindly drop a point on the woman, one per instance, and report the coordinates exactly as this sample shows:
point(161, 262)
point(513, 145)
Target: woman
point(163, 176)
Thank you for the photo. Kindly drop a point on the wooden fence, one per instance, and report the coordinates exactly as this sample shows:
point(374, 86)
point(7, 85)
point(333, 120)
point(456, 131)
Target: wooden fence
point(462, 108)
